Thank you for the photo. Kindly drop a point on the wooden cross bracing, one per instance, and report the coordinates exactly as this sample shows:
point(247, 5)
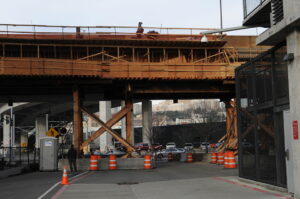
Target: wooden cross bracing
point(107, 127)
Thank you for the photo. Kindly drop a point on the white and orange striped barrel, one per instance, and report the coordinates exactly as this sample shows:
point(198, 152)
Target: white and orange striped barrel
point(147, 162)
point(213, 158)
point(220, 157)
point(94, 163)
point(231, 163)
point(112, 163)
point(189, 157)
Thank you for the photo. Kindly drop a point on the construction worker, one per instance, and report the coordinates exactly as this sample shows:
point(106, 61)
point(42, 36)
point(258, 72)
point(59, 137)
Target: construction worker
point(72, 155)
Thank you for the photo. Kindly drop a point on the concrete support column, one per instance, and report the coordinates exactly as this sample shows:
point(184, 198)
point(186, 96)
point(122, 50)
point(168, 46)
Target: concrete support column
point(6, 130)
point(147, 121)
point(24, 139)
point(41, 127)
point(105, 115)
point(293, 46)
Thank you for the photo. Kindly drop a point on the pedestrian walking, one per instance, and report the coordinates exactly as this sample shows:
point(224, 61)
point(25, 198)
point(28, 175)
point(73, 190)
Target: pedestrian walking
point(72, 156)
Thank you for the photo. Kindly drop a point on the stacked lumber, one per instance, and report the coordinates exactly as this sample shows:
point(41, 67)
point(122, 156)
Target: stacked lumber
point(230, 139)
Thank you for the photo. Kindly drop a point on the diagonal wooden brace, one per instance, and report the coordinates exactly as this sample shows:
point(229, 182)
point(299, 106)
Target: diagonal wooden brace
point(117, 117)
point(107, 127)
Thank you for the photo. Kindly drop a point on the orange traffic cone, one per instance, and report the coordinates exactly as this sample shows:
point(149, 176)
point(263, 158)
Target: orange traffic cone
point(65, 180)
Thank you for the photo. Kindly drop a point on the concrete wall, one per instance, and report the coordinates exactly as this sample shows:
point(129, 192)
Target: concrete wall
point(122, 163)
point(293, 46)
point(181, 134)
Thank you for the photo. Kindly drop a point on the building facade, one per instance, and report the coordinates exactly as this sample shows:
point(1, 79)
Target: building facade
point(268, 94)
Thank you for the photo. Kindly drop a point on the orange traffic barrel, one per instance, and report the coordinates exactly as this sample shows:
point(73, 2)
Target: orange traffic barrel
point(220, 158)
point(213, 158)
point(112, 163)
point(189, 157)
point(170, 156)
point(93, 163)
point(65, 180)
point(231, 163)
point(147, 162)
point(225, 159)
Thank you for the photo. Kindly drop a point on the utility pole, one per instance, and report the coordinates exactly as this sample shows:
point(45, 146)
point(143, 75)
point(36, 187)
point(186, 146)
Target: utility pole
point(221, 16)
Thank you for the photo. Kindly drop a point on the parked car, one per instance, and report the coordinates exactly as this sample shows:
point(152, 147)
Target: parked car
point(203, 145)
point(114, 152)
point(156, 146)
point(165, 152)
point(218, 144)
point(142, 146)
point(188, 146)
point(170, 145)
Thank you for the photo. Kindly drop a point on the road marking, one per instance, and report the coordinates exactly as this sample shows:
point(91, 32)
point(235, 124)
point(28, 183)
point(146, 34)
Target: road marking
point(58, 183)
point(251, 187)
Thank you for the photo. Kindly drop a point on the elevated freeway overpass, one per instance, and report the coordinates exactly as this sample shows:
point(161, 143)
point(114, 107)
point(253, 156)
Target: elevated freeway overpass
point(65, 64)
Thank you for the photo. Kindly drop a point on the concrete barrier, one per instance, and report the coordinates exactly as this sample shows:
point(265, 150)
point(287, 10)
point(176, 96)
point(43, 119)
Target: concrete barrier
point(122, 163)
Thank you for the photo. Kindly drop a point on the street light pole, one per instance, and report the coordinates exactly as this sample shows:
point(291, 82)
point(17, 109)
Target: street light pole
point(221, 15)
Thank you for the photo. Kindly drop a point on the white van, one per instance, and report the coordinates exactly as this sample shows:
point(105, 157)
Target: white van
point(170, 145)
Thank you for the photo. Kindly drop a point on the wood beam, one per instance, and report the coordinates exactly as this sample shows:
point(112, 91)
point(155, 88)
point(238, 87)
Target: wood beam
point(117, 117)
point(129, 134)
point(77, 120)
point(109, 130)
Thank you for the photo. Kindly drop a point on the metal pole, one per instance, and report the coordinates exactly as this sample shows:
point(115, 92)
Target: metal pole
point(221, 16)
point(11, 136)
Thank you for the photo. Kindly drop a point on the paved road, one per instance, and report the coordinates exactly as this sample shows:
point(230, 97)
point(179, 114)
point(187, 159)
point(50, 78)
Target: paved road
point(169, 181)
point(28, 186)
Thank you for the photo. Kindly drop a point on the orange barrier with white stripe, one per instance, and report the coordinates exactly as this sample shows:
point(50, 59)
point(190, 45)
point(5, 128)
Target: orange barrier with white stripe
point(170, 156)
point(189, 157)
point(213, 158)
point(147, 162)
point(65, 180)
point(220, 158)
point(94, 163)
point(112, 163)
point(225, 159)
point(231, 163)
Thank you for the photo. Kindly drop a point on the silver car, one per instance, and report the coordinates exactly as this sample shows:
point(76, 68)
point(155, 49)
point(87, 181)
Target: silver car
point(165, 152)
point(188, 146)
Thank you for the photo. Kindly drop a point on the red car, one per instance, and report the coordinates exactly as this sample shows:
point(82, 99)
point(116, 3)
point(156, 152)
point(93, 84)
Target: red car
point(141, 146)
point(156, 146)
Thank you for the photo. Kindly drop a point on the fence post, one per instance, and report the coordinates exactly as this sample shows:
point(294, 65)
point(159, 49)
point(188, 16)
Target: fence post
point(20, 156)
point(28, 161)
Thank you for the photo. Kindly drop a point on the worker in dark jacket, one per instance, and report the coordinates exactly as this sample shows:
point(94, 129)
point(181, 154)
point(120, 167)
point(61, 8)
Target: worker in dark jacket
point(72, 155)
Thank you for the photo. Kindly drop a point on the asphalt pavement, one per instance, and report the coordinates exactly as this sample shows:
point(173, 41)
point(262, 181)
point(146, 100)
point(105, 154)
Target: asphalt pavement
point(168, 181)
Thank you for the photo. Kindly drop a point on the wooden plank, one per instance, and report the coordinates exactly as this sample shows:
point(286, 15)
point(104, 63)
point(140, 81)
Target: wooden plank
point(109, 130)
point(93, 55)
point(117, 117)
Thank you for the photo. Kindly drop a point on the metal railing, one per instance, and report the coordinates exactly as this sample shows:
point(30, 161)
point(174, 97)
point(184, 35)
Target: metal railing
point(17, 156)
point(93, 32)
point(251, 5)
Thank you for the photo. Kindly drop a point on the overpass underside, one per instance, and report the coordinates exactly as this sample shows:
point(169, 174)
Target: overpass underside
point(83, 67)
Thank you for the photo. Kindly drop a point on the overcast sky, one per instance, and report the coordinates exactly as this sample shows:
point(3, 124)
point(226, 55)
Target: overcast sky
point(166, 13)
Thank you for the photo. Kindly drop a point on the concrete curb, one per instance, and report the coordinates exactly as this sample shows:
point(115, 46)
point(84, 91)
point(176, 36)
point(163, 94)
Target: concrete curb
point(267, 186)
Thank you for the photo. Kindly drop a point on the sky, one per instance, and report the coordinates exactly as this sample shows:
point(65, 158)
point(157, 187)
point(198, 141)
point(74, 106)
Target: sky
point(165, 13)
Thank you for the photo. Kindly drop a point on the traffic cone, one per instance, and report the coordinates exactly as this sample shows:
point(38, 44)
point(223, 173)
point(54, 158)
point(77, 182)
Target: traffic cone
point(65, 180)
